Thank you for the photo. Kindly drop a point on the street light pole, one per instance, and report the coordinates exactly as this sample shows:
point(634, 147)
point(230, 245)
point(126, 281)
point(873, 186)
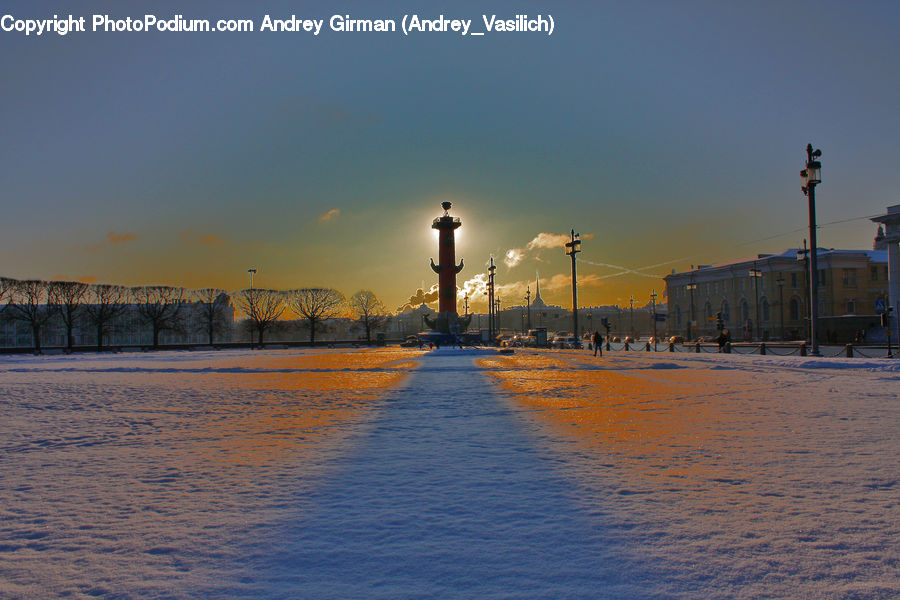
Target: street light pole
point(632, 316)
point(811, 176)
point(756, 274)
point(573, 247)
point(653, 300)
point(780, 282)
point(491, 270)
point(691, 287)
point(528, 305)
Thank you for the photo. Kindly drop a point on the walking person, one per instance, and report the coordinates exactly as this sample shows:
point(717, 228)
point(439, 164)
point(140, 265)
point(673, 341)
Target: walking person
point(597, 341)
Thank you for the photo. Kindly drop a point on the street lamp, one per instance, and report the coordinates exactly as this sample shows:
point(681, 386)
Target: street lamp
point(810, 177)
point(491, 270)
point(653, 300)
point(691, 287)
point(573, 247)
point(632, 315)
point(756, 274)
point(780, 282)
point(528, 305)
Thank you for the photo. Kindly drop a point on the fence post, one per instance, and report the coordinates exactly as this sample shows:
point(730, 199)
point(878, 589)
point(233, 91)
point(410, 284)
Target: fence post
point(648, 347)
point(849, 350)
point(626, 346)
point(698, 347)
point(762, 349)
point(803, 349)
point(727, 347)
point(671, 346)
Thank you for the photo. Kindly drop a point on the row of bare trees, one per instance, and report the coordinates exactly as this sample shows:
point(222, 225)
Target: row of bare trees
point(315, 305)
point(77, 306)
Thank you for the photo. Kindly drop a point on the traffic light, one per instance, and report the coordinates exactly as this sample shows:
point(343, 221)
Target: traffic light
point(720, 324)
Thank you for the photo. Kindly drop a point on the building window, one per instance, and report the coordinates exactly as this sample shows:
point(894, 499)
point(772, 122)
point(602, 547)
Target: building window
point(765, 309)
point(795, 310)
point(677, 315)
point(849, 278)
point(823, 277)
point(874, 272)
point(745, 311)
point(709, 310)
point(794, 280)
point(725, 311)
point(851, 307)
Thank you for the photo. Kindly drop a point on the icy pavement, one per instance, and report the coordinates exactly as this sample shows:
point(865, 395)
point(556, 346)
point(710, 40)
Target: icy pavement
point(397, 474)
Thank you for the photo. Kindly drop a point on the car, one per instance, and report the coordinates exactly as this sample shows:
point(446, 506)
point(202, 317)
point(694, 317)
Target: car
point(411, 341)
point(616, 339)
point(676, 339)
point(629, 339)
point(565, 341)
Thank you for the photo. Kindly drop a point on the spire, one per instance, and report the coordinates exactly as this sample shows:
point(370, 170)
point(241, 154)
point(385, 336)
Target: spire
point(537, 302)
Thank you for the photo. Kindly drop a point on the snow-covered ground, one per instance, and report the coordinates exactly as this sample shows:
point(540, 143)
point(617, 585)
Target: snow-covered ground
point(400, 474)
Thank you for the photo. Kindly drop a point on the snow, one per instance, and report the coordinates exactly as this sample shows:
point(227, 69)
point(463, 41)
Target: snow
point(405, 474)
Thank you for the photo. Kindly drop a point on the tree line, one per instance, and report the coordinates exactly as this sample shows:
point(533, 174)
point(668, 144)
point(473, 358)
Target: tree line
point(75, 305)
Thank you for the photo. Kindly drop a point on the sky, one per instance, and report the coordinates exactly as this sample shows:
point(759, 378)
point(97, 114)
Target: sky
point(666, 133)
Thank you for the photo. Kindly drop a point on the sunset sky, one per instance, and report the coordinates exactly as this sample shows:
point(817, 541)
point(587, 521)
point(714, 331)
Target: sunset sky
point(668, 133)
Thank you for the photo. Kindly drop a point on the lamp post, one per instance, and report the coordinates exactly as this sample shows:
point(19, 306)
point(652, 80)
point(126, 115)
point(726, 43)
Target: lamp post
point(810, 177)
point(632, 316)
point(780, 282)
point(756, 274)
point(466, 303)
point(590, 317)
point(573, 247)
point(497, 315)
point(653, 301)
point(528, 305)
point(251, 304)
point(691, 287)
point(491, 270)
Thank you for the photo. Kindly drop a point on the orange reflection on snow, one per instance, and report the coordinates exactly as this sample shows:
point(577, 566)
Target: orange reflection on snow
point(297, 401)
point(662, 424)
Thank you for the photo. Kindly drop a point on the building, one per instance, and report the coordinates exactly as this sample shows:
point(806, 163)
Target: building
point(767, 296)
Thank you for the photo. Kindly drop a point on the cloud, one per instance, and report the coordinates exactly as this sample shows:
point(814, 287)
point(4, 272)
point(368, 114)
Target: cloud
point(541, 241)
point(513, 257)
point(115, 238)
point(330, 215)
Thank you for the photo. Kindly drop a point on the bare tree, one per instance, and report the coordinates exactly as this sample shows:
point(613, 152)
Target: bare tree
point(263, 307)
point(67, 298)
point(29, 303)
point(213, 303)
point(105, 304)
point(315, 305)
point(160, 307)
point(368, 311)
point(6, 288)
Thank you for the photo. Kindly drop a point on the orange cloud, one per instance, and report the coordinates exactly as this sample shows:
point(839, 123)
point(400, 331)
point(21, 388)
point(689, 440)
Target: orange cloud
point(541, 241)
point(115, 238)
point(330, 215)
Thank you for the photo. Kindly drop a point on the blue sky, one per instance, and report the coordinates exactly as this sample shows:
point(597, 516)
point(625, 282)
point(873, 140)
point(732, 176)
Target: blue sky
point(668, 130)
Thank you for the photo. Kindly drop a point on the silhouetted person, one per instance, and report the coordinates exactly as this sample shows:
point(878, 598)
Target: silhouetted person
point(597, 341)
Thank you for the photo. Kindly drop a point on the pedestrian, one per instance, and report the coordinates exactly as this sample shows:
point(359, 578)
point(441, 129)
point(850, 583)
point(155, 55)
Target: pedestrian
point(721, 340)
point(597, 341)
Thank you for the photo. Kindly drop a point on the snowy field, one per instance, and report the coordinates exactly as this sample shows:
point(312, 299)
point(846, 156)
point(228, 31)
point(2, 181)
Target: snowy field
point(403, 474)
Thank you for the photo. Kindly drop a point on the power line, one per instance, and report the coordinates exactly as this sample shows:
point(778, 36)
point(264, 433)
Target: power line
point(638, 270)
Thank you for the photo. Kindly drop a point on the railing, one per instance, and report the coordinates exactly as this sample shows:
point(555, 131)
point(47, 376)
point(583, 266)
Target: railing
point(761, 348)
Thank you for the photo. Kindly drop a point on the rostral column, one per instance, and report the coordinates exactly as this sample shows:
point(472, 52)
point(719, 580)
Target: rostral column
point(448, 320)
